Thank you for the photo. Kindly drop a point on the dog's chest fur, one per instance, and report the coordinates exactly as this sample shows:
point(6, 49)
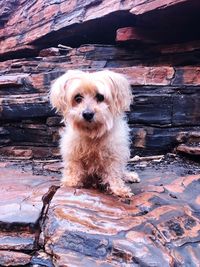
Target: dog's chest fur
point(93, 155)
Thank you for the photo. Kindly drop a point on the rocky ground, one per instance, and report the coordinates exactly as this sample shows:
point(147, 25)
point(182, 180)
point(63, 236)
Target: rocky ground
point(42, 224)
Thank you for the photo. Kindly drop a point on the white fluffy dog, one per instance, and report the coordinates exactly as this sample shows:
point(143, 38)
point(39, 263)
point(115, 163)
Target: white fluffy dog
point(95, 141)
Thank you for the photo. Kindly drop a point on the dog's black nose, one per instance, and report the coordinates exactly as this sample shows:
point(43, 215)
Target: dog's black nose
point(88, 115)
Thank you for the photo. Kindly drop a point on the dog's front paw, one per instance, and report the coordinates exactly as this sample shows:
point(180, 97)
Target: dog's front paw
point(123, 192)
point(131, 177)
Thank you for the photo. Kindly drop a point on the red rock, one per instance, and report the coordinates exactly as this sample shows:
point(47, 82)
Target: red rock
point(144, 6)
point(51, 11)
point(139, 75)
point(187, 75)
point(12, 80)
point(133, 34)
point(48, 52)
point(5, 10)
point(12, 258)
point(152, 220)
point(189, 149)
point(54, 166)
point(17, 152)
point(191, 137)
point(37, 81)
point(21, 196)
point(159, 225)
point(77, 260)
point(44, 18)
point(22, 152)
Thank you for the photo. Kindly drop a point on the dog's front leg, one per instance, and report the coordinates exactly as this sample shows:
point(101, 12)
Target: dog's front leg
point(113, 179)
point(73, 175)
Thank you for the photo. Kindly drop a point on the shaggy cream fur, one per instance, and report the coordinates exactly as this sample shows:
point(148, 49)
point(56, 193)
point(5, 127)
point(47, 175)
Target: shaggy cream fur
point(95, 141)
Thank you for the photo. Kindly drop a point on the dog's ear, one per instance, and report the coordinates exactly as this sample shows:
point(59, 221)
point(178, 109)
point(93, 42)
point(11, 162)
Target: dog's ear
point(121, 92)
point(58, 96)
point(60, 89)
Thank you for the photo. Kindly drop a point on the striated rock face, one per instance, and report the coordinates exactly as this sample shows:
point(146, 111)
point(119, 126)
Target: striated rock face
point(158, 227)
point(41, 40)
point(166, 100)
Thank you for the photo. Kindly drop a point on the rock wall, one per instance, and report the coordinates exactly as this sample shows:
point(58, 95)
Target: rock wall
point(154, 43)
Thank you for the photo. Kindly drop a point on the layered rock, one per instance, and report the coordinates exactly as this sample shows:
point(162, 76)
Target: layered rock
point(166, 99)
point(160, 218)
point(24, 195)
point(164, 77)
point(45, 225)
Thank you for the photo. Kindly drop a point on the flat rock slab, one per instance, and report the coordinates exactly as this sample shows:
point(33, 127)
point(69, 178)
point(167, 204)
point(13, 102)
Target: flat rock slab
point(22, 195)
point(11, 258)
point(159, 226)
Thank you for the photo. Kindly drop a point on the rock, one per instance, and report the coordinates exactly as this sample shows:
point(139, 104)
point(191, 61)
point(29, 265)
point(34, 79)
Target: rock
point(146, 6)
point(12, 80)
point(21, 208)
point(151, 230)
point(147, 75)
point(28, 153)
point(134, 35)
point(12, 258)
point(5, 10)
point(189, 143)
point(187, 76)
point(187, 149)
point(17, 241)
point(26, 106)
point(163, 68)
point(45, 18)
point(41, 259)
point(48, 52)
point(154, 140)
point(24, 210)
point(42, 224)
point(159, 224)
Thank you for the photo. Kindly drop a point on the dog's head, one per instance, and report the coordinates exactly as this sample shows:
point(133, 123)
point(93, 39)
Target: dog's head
point(91, 101)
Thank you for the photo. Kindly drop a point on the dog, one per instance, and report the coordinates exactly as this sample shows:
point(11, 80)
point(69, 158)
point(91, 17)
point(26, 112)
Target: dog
point(95, 141)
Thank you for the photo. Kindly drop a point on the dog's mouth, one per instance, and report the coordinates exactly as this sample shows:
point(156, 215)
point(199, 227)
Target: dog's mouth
point(91, 125)
point(88, 126)
point(89, 121)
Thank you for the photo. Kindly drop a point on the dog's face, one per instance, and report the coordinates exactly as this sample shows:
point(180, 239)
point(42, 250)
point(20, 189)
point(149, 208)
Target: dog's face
point(91, 101)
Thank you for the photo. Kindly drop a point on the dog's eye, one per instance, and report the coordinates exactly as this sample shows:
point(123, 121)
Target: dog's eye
point(78, 98)
point(99, 97)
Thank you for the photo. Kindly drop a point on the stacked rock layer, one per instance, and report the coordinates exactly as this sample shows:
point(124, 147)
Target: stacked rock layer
point(144, 40)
